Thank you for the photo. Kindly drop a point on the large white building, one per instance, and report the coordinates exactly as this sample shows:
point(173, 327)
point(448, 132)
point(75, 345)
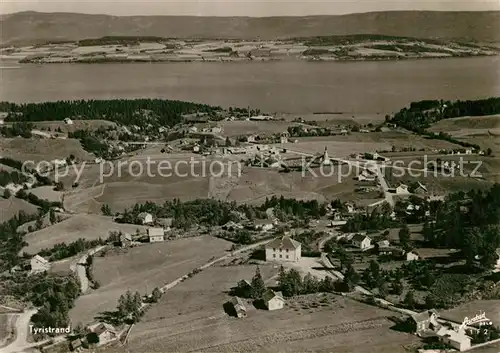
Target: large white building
point(156, 235)
point(39, 264)
point(283, 249)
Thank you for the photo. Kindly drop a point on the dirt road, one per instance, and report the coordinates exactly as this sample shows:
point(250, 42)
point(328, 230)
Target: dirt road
point(21, 325)
point(79, 269)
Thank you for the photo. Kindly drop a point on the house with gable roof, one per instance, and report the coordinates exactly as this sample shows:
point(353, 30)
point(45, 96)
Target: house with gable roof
point(283, 249)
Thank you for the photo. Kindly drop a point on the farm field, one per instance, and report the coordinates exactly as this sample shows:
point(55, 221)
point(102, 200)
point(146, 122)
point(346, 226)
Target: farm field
point(329, 119)
point(47, 193)
point(142, 269)
point(77, 125)
point(467, 125)
point(42, 149)
point(371, 141)
point(490, 307)
point(190, 317)
point(4, 327)
point(79, 226)
point(12, 206)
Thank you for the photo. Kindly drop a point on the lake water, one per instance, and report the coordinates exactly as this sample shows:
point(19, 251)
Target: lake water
point(296, 87)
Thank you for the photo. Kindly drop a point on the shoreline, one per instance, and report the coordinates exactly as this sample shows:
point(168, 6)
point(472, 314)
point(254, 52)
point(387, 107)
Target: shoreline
point(243, 61)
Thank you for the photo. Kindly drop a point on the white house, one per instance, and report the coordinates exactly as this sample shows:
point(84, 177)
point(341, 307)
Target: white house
point(411, 256)
point(456, 339)
point(251, 138)
point(68, 121)
point(145, 218)
point(156, 235)
point(263, 225)
point(2, 121)
point(216, 130)
point(104, 332)
point(193, 129)
point(383, 244)
point(196, 149)
point(283, 249)
point(39, 264)
point(402, 189)
point(468, 151)
point(272, 300)
point(283, 139)
point(362, 242)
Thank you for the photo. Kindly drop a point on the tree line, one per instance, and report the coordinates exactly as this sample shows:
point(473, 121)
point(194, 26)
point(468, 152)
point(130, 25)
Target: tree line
point(138, 112)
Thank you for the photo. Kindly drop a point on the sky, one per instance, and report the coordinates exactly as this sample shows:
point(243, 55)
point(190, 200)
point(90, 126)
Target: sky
point(254, 8)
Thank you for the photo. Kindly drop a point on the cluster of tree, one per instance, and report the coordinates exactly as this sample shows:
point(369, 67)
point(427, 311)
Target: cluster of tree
point(13, 163)
point(298, 131)
point(287, 208)
point(63, 251)
point(309, 239)
point(45, 205)
point(119, 40)
point(385, 281)
point(485, 335)
point(12, 177)
point(12, 242)
point(379, 218)
point(21, 129)
point(140, 112)
point(469, 222)
point(90, 142)
point(239, 236)
point(205, 212)
point(55, 295)
point(130, 307)
point(291, 283)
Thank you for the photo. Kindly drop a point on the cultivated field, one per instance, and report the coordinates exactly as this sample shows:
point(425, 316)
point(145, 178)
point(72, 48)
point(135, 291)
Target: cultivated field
point(47, 193)
point(190, 317)
point(77, 125)
point(344, 119)
point(12, 206)
point(471, 309)
point(467, 125)
point(142, 269)
point(79, 226)
point(42, 149)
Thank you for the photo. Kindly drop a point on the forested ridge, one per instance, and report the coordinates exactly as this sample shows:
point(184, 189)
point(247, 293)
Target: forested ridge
point(420, 115)
point(122, 111)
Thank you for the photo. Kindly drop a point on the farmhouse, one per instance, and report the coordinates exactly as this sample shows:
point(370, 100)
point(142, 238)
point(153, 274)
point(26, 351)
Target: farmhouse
point(244, 288)
point(251, 138)
point(362, 242)
point(411, 256)
point(425, 321)
point(272, 300)
point(232, 226)
point(263, 225)
point(383, 244)
point(156, 235)
point(145, 218)
point(456, 339)
point(402, 189)
point(283, 249)
point(238, 306)
point(68, 121)
point(76, 345)
point(39, 264)
point(105, 332)
point(125, 240)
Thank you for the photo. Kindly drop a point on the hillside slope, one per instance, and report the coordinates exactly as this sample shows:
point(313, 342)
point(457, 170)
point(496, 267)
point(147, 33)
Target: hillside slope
point(32, 27)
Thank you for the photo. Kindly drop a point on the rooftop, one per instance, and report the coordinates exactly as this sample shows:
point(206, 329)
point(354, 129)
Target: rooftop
point(284, 242)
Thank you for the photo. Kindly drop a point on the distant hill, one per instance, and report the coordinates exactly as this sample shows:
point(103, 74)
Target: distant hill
point(35, 27)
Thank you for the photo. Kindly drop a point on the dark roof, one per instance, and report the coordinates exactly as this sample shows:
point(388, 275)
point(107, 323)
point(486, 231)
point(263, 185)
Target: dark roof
point(102, 327)
point(359, 237)
point(270, 294)
point(283, 243)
